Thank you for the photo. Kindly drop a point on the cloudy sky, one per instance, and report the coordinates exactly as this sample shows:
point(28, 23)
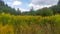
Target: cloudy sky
point(25, 5)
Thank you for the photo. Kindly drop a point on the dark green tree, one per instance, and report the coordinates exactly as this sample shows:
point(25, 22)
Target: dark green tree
point(18, 12)
point(56, 8)
point(32, 12)
point(58, 3)
point(6, 9)
point(44, 12)
point(1, 3)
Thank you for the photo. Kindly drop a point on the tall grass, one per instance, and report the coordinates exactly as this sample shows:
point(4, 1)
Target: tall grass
point(10, 24)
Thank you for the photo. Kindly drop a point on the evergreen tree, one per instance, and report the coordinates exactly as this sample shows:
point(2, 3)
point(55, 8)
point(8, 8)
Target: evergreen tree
point(5, 8)
point(32, 12)
point(58, 3)
point(18, 12)
point(1, 3)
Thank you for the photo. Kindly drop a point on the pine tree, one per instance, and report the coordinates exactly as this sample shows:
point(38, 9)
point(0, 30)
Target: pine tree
point(18, 12)
point(58, 3)
point(5, 8)
point(32, 12)
point(1, 3)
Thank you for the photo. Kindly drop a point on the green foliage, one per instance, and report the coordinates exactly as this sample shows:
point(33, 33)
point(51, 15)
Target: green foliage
point(5, 8)
point(18, 12)
point(58, 3)
point(45, 12)
point(32, 12)
point(1, 3)
point(56, 9)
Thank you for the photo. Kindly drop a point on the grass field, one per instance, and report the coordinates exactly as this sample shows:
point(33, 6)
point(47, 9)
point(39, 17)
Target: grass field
point(10, 24)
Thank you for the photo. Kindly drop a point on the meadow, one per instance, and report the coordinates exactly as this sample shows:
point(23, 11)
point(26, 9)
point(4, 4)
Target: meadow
point(10, 24)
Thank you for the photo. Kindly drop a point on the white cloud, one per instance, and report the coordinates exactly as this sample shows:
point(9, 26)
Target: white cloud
point(38, 6)
point(30, 5)
point(44, 2)
point(22, 10)
point(16, 3)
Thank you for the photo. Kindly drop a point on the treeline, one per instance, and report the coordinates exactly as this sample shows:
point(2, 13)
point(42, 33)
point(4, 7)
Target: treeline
point(45, 11)
point(41, 12)
point(6, 9)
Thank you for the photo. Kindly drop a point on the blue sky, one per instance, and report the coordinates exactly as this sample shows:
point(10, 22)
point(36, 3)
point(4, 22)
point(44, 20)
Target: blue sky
point(25, 5)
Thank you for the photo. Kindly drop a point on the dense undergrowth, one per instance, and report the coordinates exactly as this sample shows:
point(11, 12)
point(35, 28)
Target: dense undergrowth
point(10, 24)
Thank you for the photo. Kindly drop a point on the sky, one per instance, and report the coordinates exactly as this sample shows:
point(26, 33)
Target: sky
point(25, 5)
